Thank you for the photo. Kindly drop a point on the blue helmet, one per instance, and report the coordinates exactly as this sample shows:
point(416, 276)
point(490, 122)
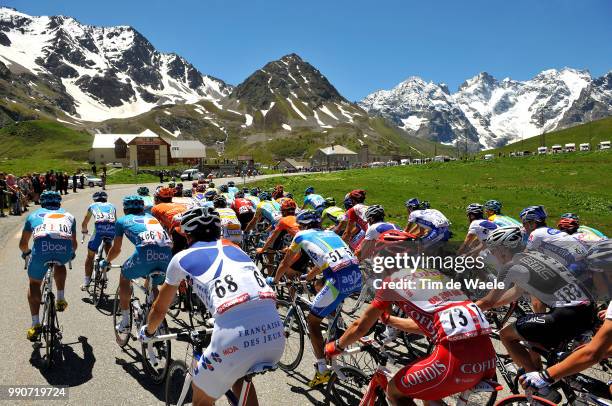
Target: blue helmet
point(412, 203)
point(255, 191)
point(100, 196)
point(308, 190)
point(265, 196)
point(231, 183)
point(50, 199)
point(223, 188)
point(424, 205)
point(308, 217)
point(570, 216)
point(493, 205)
point(133, 202)
point(210, 194)
point(533, 213)
point(348, 202)
point(143, 191)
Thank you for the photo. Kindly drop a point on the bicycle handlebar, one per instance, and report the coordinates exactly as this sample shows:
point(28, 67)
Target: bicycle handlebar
point(181, 336)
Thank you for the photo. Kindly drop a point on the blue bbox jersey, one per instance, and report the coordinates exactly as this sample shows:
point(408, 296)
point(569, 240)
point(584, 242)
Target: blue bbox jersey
point(143, 230)
point(104, 215)
point(314, 200)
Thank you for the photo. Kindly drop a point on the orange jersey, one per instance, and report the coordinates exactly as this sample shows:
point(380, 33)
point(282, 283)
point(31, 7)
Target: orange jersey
point(169, 215)
point(289, 224)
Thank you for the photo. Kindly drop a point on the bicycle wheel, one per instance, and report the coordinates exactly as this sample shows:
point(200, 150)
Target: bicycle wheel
point(49, 330)
point(121, 338)
point(177, 373)
point(522, 400)
point(156, 357)
point(98, 285)
point(348, 391)
point(294, 336)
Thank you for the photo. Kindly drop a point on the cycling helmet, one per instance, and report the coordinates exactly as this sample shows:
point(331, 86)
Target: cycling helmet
point(567, 224)
point(412, 203)
point(288, 205)
point(265, 196)
point(100, 196)
point(509, 237)
point(330, 201)
point(493, 205)
point(200, 219)
point(255, 191)
point(201, 188)
point(211, 185)
point(599, 256)
point(245, 190)
point(231, 183)
point(424, 205)
point(165, 193)
point(348, 202)
point(308, 190)
point(133, 202)
point(570, 216)
point(187, 193)
point(308, 217)
point(210, 194)
point(289, 195)
point(358, 195)
point(143, 191)
point(220, 201)
point(474, 208)
point(194, 184)
point(375, 212)
point(533, 213)
point(239, 194)
point(223, 189)
point(50, 199)
point(171, 185)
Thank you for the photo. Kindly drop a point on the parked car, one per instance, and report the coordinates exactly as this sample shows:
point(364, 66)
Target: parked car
point(542, 150)
point(90, 181)
point(195, 174)
point(489, 156)
point(604, 145)
point(570, 147)
point(585, 146)
point(115, 164)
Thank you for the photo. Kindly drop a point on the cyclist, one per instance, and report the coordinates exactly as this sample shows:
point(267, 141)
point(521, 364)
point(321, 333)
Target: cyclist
point(430, 225)
point(253, 196)
point(493, 213)
point(341, 277)
point(333, 214)
point(153, 250)
point(570, 223)
point(146, 197)
point(547, 280)
point(287, 225)
point(356, 223)
point(104, 215)
point(375, 215)
point(243, 208)
point(54, 233)
point(224, 191)
point(478, 230)
point(230, 224)
point(267, 209)
point(317, 202)
point(199, 193)
point(235, 293)
point(211, 186)
point(447, 317)
point(169, 216)
point(278, 193)
point(231, 187)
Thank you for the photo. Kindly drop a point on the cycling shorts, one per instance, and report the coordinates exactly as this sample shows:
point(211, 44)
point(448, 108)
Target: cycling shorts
point(248, 335)
point(338, 286)
point(557, 326)
point(245, 219)
point(436, 235)
point(144, 261)
point(451, 368)
point(97, 238)
point(45, 250)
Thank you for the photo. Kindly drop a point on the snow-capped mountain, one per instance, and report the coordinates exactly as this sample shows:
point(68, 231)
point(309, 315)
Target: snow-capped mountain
point(494, 112)
point(105, 72)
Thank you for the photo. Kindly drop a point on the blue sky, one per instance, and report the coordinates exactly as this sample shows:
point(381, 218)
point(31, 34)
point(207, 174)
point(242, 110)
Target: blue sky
point(364, 46)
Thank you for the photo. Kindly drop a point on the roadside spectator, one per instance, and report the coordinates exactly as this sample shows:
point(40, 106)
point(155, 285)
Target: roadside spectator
point(37, 187)
point(74, 182)
point(104, 170)
point(103, 178)
point(82, 180)
point(65, 182)
point(161, 176)
point(24, 188)
point(13, 189)
point(53, 181)
point(94, 169)
point(3, 194)
point(48, 180)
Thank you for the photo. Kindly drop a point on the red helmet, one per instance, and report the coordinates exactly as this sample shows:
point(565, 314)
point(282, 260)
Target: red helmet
point(358, 195)
point(288, 204)
point(568, 224)
point(165, 193)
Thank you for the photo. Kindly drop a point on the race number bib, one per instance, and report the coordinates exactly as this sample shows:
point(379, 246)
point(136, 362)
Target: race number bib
point(156, 236)
point(339, 258)
point(244, 209)
point(239, 286)
point(463, 321)
point(54, 225)
point(570, 295)
point(104, 217)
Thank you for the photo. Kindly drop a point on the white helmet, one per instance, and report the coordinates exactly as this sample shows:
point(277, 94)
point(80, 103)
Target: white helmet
point(509, 237)
point(200, 218)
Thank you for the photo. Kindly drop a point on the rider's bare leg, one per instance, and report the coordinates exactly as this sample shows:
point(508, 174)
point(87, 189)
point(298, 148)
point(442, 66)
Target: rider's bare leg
point(200, 398)
point(396, 397)
point(252, 399)
point(511, 339)
point(89, 263)
point(60, 276)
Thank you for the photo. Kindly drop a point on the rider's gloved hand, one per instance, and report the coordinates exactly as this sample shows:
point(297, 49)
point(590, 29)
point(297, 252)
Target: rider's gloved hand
point(333, 349)
point(270, 281)
point(259, 250)
point(143, 336)
point(104, 264)
point(537, 379)
point(24, 255)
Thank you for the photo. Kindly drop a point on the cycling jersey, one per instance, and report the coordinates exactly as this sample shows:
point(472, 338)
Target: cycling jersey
point(557, 244)
point(376, 229)
point(52, 232)
point(334, 213)
point(104, 215)
point(153, 246)
point(588, 234)
point(232, 230)
point(288, 224)
point(356, 214)
point(247, 329)
point(428, 219)
point(313, 200)
point(481, 228)
point(148, 203)
point(504, 221)
point(242, 205)
point(270, 211)
point(546, 278)
point(229, 198)
point(340, 267)
point(233, 190)
point(169, 215)
point(253, 199)
point(609, 312)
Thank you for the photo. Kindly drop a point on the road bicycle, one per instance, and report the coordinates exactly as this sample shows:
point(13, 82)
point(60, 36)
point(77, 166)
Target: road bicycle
point(178, 388)
point(156, 357)
point(51, 331)
point(187, 300)
point(99, 278)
